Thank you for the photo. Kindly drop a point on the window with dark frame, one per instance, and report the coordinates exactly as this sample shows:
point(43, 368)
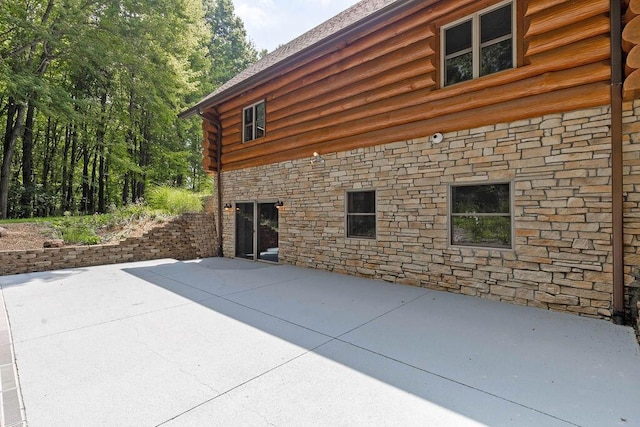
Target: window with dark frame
point(480, 45)
point(253, 122)
point(361, 214)
point(480, 215)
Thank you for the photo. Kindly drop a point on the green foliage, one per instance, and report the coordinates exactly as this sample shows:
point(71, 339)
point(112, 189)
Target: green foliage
point(76, 230)
point(174, 200)
point(483, 231)
point(87, 229)
point(229, 45)
point(106, 80)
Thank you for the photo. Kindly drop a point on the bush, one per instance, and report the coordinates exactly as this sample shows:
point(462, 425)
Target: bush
point(76, 230)
point(174, 200)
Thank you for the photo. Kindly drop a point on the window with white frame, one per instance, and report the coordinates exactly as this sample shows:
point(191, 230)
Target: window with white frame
point(253, 122)
point(480, 215)
point(478, 45)
point(361, 214)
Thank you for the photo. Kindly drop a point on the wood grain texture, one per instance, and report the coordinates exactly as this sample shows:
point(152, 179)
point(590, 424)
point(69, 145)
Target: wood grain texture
point(631, 34)
point(420, 107)
point(564, 14)
point(633, 60)
point(377, 88)
point(633, 10)
point(576, 31)
point(631, 86)
point(585, 97)
point(535, 6)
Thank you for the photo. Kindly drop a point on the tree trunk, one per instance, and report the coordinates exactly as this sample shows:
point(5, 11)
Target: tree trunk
point(102, 177)
point(15, 123)
point(26, 200)
point(91, 206)
point(65, 160)
point(70, 198)
point(125, 190)
point(84, 204)
point(51, 142)
point(100, 134)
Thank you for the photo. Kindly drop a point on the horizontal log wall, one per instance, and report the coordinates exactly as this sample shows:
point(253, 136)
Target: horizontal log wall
point(631, 46)
point(383, 85)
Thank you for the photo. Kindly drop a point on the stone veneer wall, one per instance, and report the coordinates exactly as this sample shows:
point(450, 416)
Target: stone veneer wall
point(189, 236)
point(560, 168)
point(632, 209)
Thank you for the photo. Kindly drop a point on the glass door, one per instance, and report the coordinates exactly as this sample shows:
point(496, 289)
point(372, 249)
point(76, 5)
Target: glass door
point(257, 231)
point(267, 232)
point(245, 231)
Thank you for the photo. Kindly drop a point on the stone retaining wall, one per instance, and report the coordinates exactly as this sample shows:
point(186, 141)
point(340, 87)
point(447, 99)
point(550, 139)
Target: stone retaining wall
point(559, 167)
point(189, 236)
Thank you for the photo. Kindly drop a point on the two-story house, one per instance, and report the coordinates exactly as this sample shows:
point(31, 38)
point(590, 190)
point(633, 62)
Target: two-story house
point(476, 146)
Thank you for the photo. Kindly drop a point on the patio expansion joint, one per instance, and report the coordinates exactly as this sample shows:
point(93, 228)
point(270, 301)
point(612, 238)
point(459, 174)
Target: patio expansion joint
point(340, 339)
point(309, 351)
point(461, 384)
point(262, 374)
point(107, 322)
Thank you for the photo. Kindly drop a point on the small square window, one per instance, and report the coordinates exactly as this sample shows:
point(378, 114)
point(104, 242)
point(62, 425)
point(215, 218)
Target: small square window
point(480, 45)
point(253, 122)
point(481, 215)
point(361, 214)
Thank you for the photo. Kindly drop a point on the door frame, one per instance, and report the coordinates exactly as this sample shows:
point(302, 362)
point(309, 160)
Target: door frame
point(255, 228)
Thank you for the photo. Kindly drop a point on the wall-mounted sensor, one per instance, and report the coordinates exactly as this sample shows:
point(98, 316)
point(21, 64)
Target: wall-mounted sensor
point(437, 138)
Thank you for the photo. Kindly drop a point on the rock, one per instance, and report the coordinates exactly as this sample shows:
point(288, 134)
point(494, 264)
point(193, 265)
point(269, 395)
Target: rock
point(55, 243)
point(3, 232)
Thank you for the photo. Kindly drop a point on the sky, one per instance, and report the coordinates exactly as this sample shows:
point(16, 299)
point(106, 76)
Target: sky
point(271, 23)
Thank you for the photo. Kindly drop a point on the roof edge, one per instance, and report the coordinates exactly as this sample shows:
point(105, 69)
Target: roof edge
point(311, 50)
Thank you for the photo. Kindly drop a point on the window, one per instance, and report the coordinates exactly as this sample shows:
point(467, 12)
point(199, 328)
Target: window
point(253, 121)
point(481, 44)
point(361, 214)
point(481, 215)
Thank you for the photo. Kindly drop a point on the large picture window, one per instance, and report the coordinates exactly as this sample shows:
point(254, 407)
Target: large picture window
point(480, 215)
point(361, 214)
point(480, 44)
point(253, 122)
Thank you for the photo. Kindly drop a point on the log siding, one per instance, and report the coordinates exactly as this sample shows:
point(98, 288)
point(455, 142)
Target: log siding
point(382, 85)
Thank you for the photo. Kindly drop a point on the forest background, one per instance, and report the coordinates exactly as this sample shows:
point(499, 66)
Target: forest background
point(90, 92)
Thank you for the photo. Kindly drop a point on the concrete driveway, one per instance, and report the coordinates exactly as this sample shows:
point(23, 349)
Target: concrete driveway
point(227, 342)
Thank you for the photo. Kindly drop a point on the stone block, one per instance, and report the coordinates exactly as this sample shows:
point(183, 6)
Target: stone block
point(556, 299)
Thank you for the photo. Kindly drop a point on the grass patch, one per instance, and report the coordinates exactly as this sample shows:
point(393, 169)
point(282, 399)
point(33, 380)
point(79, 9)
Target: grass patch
point(174, 201)
point(163, 202)
point(30, 220)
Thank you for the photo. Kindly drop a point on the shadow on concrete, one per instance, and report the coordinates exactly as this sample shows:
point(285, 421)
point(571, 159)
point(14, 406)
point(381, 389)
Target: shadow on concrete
point(488, 362)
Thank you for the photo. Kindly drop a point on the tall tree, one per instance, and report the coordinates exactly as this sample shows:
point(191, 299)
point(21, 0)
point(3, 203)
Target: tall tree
point(92, 88)
point(230, 48)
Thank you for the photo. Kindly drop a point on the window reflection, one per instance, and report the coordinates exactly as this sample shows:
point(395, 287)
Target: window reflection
point(479, 46)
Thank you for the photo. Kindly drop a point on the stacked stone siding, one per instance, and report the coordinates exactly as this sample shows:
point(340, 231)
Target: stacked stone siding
point(631, 173)
point(560, 169)
point(189, 236)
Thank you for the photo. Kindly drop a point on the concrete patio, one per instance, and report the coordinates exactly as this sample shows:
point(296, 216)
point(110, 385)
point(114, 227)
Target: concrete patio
point(229, 342)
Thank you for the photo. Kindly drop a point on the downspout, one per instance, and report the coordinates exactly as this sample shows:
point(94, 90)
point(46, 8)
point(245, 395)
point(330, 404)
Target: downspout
point(617, 162)
point(219, 188)
point(218, 126)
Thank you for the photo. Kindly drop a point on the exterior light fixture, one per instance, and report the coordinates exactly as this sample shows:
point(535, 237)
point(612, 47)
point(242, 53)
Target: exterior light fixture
point(317, 158)
point(228, 207)
point(279, 204)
